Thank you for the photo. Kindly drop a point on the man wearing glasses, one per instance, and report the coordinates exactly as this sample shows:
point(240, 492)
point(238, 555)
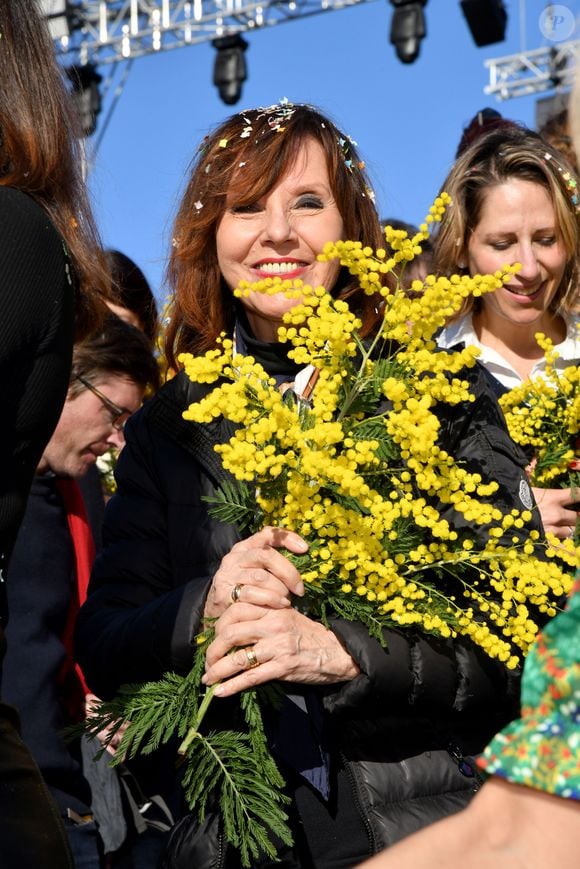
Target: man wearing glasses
point(107, 384)
point(51, 565)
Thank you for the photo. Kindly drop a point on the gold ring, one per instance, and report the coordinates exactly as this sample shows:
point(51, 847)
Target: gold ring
point(236, 592)
point(252, 659)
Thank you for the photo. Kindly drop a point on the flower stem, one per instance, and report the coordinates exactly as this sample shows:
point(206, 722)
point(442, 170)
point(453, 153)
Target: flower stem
point(194, 729)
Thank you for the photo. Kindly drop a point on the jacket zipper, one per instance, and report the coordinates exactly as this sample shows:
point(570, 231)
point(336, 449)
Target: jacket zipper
point(358, 803)
point(221, 855)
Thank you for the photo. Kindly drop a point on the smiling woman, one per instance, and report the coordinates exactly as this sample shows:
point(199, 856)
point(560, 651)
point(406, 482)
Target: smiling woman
point(281, 234)
point(369, 741)
point(516, 201)
point(267, 189)
point(518, 222)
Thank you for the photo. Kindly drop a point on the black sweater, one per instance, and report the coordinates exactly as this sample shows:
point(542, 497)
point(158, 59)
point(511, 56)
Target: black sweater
point(36, 334)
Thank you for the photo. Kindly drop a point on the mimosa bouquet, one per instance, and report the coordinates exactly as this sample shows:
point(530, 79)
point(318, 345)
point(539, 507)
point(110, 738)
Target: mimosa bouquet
point(357, 469)
point(543, 416)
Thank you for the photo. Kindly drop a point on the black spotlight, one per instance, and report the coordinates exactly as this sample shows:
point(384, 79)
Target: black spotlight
point(230, 70)
point(408, 28)
point(86, 95)
point(486, 19)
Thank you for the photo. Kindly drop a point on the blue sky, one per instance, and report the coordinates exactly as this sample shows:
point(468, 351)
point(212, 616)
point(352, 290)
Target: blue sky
point(407, 119)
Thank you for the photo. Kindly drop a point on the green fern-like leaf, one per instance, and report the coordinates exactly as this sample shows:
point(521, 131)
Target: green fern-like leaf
point(368, 390)
point(225, 764)
point(153, 713)
point(234, 503)
point(373, 428)
point(257, 737)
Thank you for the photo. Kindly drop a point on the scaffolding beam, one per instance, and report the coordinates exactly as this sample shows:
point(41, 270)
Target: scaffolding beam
point(107, 31)
point(532, 72)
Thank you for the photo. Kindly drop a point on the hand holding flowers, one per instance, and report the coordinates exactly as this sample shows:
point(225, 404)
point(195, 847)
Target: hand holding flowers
point(543, 416)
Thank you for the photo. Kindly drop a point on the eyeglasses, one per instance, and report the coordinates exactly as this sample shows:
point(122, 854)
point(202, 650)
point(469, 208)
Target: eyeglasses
point(119, 415)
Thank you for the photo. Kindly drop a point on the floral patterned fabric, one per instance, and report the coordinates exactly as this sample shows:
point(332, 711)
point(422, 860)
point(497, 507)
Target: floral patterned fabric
point(542, 748)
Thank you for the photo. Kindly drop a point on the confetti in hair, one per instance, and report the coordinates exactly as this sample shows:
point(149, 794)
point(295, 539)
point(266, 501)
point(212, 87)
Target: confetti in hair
point(570, 183)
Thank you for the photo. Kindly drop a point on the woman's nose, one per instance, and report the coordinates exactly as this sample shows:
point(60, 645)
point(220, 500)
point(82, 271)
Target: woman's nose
point(278, 225)
point(528, 259)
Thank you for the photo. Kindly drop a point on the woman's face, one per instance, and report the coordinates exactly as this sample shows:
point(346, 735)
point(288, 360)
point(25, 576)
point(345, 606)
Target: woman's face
point(518, 224)
point(281, 235)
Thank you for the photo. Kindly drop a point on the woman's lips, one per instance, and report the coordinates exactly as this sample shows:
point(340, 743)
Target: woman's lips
point(279, 268)
point(523, 293)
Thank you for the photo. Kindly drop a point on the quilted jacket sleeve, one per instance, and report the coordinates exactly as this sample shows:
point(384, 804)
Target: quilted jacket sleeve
point(413, 674)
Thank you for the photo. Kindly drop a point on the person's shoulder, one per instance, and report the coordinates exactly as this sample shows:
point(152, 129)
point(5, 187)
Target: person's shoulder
point(174, 392)
point(458, 332)
point(25, 221)
point(21, 205)
point(570, 347)
point(157, 434)
point(179, 392)
point(165, 408)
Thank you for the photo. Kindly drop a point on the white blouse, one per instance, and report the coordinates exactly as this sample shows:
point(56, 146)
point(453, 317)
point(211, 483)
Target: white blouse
point(462, 331)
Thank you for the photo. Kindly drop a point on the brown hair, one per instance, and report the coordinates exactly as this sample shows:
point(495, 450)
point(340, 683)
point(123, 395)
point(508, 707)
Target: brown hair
point(495, 158)
point(115, 349)
point(556, 131)
point(132, 291)
point(248, 154)
point(39, 149)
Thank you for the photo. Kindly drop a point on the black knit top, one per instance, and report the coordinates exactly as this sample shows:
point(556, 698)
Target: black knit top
point(36, 334)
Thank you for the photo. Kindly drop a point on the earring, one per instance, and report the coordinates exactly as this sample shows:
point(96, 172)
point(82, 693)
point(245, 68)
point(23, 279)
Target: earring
point(461, 265)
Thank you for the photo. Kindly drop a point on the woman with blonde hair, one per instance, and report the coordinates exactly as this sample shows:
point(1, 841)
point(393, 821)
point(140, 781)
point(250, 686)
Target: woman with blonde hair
point(516, 200)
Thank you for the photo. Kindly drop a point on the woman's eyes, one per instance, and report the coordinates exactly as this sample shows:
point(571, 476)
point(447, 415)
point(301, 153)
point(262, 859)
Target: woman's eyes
point(545, 241)
point(308, 201)
point(249, 208)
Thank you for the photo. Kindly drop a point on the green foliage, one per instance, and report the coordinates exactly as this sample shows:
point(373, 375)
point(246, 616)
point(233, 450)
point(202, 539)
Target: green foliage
point(367, 389)
point(235, 504)
point(373, 428)
point(234, 769)
point(248, 793)
point(323, 604)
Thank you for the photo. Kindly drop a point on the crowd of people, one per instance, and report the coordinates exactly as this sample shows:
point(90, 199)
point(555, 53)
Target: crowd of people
point(384, 747)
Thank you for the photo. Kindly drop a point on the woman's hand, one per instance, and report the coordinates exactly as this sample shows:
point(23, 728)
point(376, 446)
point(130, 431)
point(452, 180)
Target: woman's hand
point(556, 511)
point(255, 572)
point(273, 644)
point(91, 701)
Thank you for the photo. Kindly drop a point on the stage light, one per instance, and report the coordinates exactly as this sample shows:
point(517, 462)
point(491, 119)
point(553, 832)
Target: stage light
point(407, 28)
point(230, 70)
point(486, 19)
point(85, 81)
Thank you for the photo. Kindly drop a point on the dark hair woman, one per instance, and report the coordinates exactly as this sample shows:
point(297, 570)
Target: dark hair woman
point(51, 279)
point(133, 299)
point(268, 189)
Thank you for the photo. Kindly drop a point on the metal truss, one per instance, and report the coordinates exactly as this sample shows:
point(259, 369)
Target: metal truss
point(532, 72)
point(107, 31)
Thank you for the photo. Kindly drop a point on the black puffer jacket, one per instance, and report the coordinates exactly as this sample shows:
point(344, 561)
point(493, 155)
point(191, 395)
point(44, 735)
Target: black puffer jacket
point(391, 727)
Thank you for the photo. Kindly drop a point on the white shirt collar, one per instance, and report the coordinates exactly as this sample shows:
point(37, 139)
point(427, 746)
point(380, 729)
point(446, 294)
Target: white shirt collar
point(462, 331)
